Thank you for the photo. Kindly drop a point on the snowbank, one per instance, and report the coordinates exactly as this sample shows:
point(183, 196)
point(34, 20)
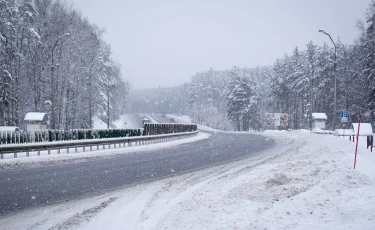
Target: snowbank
point(306, 182)
point(365, 129)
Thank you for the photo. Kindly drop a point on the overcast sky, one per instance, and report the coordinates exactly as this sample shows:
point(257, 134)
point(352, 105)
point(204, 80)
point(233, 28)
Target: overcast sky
point(164, 42)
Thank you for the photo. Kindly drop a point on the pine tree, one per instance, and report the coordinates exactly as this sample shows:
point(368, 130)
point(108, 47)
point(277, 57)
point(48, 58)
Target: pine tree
point(242, 102)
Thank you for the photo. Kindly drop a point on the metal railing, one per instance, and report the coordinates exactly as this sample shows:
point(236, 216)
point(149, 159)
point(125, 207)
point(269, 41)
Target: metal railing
point(120, 142)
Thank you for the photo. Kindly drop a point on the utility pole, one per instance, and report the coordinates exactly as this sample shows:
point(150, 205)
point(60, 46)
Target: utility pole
point(334, 74)
point(53, 118)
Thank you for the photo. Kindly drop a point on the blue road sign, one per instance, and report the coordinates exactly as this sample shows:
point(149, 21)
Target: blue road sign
point(344, 115)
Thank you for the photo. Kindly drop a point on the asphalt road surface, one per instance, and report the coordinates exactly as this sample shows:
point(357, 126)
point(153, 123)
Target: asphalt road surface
point(27, 188)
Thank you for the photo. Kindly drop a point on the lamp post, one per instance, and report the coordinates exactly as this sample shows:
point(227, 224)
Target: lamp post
point(334, 73)
point(53, 82)
point(108, 108)
point(90, 94)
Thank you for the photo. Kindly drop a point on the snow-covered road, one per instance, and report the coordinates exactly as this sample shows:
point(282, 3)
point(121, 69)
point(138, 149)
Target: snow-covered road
point(306, 181)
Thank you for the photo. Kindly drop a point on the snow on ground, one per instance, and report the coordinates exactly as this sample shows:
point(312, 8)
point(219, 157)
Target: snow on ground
point(44, 158)
point(306, 181)
point(128, 121)
point(98, 124)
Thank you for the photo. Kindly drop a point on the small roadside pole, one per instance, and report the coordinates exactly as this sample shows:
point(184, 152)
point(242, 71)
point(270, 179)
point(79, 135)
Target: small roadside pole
point(356, 146)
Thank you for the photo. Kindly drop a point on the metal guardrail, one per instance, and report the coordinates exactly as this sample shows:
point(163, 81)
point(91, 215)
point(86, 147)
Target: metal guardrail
point(329, 132)
point(48, 146)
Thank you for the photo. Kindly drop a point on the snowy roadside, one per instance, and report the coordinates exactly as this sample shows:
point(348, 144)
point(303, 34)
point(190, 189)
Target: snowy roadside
point(35, 160)
point(306, 181)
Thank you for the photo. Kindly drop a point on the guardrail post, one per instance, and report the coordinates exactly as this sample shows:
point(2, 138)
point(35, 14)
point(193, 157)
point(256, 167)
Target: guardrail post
point(67, 150)
point(90, 147)
point(76, 149)
point(27, 154)
point(49, 152)
point(84, 149)
point(15, 155)
point(97, 147)
point(38, 153)
point(2, 156)
point(58, 151)
point(369, 142)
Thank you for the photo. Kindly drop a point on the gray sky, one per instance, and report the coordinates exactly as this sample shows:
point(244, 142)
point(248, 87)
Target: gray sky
point(164, 42)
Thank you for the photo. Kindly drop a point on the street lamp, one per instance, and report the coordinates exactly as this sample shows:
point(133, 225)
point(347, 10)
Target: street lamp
point(53, 82)
point(334, 73)
point(108, 94)
point(90, 94)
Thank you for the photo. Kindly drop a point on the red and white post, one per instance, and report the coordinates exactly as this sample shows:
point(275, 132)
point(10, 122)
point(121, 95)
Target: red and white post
point(356, 145)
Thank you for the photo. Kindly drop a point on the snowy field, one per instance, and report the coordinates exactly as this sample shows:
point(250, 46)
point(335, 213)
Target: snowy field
point(306, 182)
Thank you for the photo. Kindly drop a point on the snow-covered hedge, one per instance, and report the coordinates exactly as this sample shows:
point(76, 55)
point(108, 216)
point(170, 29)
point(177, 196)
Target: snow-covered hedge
point(165, 128)
point(9, 137)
